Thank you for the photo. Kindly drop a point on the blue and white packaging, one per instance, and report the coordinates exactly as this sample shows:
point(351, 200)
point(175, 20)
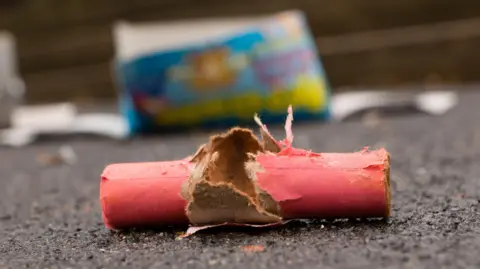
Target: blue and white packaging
point(219, 73)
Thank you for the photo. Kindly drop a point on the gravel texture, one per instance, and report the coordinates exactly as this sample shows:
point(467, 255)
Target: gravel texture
point(50, 215)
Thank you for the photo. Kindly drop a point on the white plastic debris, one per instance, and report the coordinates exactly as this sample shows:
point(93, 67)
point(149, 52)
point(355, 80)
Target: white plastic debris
point(28, 122)
point(12, 87)
point(49, 118)
point(347, 104)
point(68, 155)
point(17, 137)
point(436, 102)
point(110, 125)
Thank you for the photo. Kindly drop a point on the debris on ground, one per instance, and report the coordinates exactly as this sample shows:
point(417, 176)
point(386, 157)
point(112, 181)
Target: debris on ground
point(253, 248)
point(349, 103)
point(236, 179)
point(65, 155)
point(27, 123)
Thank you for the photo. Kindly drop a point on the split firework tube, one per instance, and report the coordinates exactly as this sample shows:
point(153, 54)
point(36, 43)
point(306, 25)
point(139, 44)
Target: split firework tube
point(237, 179)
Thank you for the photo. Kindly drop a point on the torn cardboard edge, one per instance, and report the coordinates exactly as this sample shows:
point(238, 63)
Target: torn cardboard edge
point(221, 189)
point(194, 229)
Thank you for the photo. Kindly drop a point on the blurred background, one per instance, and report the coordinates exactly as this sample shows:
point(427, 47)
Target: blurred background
point(65, 47)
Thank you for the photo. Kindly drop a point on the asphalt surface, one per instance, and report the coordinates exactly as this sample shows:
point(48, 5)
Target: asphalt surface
point(50, 216)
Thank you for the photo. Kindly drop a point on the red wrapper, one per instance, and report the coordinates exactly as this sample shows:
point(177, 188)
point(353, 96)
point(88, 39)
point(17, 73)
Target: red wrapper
point(273, 186)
